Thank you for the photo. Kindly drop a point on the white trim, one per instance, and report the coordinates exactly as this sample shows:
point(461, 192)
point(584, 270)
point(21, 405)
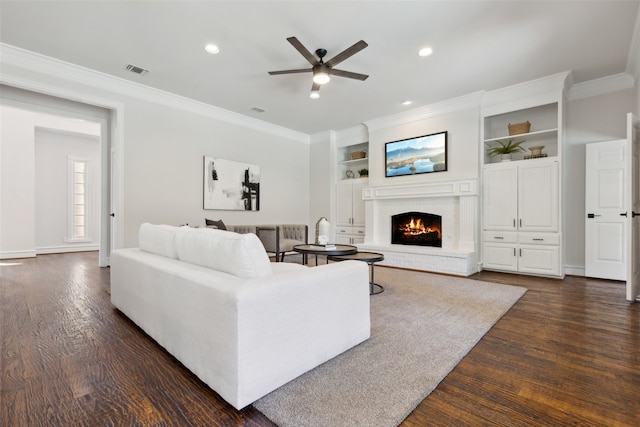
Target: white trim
point(600, 86)
point(574, 270)
point(461, 103)
point(18, 254)
point(633, 58)
point(466, 187)
point(67, 249)
point(553, 83)
point(80, 75)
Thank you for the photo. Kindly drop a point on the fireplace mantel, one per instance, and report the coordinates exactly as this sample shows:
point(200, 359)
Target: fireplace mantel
point(456, 201)
point(466, 187)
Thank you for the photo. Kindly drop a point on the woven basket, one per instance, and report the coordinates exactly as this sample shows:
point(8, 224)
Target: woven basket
point(518, 128)
point(358, 155)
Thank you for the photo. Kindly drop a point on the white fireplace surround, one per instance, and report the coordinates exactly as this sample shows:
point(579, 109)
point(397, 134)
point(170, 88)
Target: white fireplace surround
point(457, 203)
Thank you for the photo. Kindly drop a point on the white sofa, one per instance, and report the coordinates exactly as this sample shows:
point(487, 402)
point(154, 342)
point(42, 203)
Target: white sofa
point(243, 325)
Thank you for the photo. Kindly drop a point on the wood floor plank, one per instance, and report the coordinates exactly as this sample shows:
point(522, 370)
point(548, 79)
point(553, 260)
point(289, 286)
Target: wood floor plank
point(567, 354)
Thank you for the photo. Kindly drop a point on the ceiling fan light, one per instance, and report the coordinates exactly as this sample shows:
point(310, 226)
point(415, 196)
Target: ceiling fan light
point(321, 74)
point(425, 51)
point(321, 77)
point(314, 94)
point(212, 48)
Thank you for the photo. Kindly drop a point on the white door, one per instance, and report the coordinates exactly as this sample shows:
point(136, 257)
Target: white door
point(633, 211)
point(605, 203)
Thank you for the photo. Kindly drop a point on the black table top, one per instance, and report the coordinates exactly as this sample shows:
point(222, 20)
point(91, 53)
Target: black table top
point(360, 256)
point(339, 250)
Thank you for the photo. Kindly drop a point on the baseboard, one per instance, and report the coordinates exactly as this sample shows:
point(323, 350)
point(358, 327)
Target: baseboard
point(67, 249)
point(18, 254)
point(574, 270)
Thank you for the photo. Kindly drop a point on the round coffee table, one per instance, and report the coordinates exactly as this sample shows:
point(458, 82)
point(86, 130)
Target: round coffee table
point(368, 257)
point(312, 249)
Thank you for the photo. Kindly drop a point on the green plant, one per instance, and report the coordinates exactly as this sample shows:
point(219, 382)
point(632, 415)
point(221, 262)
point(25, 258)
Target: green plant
point(505, 147)
point(364, 172)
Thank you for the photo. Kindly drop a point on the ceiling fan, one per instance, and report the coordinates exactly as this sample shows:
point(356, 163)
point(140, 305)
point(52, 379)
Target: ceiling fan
point(322, 71)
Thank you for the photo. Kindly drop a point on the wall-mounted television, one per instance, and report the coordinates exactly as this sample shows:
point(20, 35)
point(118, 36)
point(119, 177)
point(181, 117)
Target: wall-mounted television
point(420, 154)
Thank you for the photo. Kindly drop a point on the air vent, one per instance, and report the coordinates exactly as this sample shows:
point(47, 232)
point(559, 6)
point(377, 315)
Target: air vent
point(136, 69)
point(258, 109)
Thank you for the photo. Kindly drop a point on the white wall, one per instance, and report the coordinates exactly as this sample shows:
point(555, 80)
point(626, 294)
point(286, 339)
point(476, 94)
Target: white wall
point(593, 119)
point(52, 153)
point(462, 153)
point(160, 142)
point(17, 186)
point(31, 216)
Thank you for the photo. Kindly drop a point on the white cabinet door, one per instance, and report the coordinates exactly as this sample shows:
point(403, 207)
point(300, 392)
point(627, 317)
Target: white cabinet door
point(500, 198)
point(539, 260)
point(538, 196)
point(344, 203)
point(357, 204)
point(499, 257)
point(350, 206)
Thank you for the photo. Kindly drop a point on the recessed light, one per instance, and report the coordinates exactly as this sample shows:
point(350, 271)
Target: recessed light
point(407, 102)
point(425, 51)
point(212, 48)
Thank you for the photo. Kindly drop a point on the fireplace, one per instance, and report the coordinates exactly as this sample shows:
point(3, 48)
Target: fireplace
point(416, 228)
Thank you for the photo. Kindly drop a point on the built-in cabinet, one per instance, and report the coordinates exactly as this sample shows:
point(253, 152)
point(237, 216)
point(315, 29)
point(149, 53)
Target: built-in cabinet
point(521, 217)
point(521, 198)
point(350, 211)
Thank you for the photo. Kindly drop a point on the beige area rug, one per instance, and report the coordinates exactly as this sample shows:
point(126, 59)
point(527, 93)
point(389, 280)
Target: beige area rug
point(422, 325)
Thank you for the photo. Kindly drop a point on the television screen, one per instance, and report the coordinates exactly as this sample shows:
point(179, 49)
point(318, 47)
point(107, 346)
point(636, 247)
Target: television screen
point(412, 156)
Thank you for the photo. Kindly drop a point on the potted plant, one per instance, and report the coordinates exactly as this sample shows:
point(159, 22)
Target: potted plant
point(364, 172)
point(505, 148)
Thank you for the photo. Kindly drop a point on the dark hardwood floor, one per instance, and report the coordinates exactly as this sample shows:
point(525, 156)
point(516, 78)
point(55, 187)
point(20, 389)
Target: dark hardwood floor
point(568, 353)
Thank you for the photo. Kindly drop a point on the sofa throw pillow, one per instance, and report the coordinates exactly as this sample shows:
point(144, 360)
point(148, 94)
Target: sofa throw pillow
point(219, 224)
point(239, 254)
point(158, 239)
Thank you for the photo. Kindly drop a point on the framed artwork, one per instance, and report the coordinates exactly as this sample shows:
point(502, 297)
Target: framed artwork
point(421, 154)
point(231, 185)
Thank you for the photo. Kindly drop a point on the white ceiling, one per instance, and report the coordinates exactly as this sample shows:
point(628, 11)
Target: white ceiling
point(478, 45)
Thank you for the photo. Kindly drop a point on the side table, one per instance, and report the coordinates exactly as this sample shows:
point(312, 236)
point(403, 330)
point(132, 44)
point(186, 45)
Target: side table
point(368, 257)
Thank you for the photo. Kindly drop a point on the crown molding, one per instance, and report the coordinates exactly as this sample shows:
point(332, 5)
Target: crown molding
point(555, 83)
point(460, 103)
point(42, 64)
point(600, 86)
point(633, 58)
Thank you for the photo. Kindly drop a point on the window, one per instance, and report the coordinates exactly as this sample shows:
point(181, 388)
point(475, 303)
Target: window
point(78, 201)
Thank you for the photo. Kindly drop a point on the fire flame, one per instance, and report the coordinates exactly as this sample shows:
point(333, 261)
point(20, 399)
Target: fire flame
point(416, 227)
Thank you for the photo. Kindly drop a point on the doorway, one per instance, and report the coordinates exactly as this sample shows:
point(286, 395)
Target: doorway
point(40, 103)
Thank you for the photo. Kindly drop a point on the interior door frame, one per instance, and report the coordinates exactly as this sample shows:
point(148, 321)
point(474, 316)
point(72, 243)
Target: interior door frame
point(633, 208)
point(112, 186)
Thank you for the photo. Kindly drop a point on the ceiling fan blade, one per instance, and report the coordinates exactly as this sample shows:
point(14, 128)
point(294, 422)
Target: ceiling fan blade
point(348, 74)
point(303, 50)
point(347, 53)
point(300, 70)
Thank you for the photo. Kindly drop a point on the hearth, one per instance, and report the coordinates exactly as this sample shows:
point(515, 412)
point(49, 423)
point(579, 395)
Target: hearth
point(416, 228)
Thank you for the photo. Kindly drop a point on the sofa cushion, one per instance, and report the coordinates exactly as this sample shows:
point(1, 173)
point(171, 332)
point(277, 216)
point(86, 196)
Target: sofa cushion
point(239, 254)
point(158, 239)
point(218, 224)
